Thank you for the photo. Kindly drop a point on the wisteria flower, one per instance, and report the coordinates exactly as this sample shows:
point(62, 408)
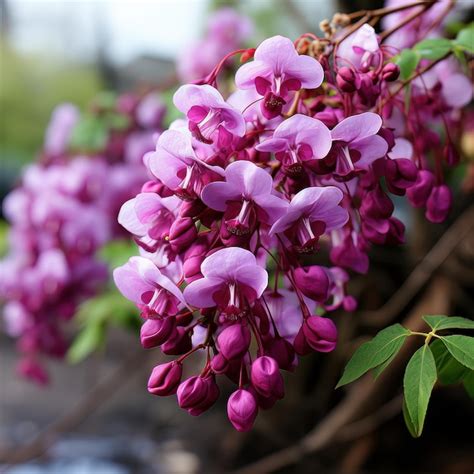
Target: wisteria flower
point(297, 142)
point(311, 213)
point(356, 144)
point(360, 50)
point(276, 71)
point(177, 165)
point(210, 117)
point(246, 197)
point(142, 282)
point(149, 217)
point(232, 280)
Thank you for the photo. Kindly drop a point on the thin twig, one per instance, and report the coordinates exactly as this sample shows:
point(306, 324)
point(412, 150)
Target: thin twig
point(422, 272)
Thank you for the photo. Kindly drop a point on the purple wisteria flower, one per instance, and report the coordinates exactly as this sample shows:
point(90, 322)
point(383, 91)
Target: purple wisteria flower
point(232, 280)
point(311, 213)
point(211, 118)
point(246, 197)
point(181, 166)
point(149, 217)
point(276, 71)
point(142, 282)
point(360, 50)
point(356, 145)
point(297, 142)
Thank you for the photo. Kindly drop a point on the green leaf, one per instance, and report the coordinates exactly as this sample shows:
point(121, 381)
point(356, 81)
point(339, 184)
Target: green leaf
point(90, 339)
point(468, 383)
point(433, 48)
point(375, 352)
point(450, 371)
point(461, 348)
point(90, 134)
point(465, 38)
point(380, 368)
point(407, 61)
point(408, 421)
point(418, 382)
point(445, 322)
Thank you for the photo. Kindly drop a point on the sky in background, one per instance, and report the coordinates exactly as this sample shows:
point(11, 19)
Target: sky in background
point(126, 28)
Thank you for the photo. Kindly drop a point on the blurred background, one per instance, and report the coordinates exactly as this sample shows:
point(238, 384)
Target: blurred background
point(53, 51)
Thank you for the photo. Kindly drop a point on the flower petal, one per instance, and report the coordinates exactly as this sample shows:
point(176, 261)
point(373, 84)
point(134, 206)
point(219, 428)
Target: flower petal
point(357, 127)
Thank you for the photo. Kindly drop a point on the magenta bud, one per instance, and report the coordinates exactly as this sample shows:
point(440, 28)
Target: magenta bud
point(313, 282)
point(211, 397)
point(165, 378)
point(234, 341)
point(438, 204)
point(347, 79)
point(266, 378)
point(155, 332)
point(320, 333)
point(451, 155)
point(396, 232)
point(390, 72)
point(219, 364)
point(282, 351)
point(192, 208)
point(182, 233)
point(400, 174)
point(349, 303)
point(197, 394)
point(418, 193)
point(376, 204)
point(178, 343)
point(242, 410)
point(301, 344)
point(192, 268)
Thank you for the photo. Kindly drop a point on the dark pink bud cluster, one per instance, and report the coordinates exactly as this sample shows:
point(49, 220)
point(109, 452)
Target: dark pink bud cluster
point(63, 212)
point(304, 157)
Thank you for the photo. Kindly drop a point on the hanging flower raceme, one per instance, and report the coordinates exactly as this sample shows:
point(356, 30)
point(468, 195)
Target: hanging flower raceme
point(65, 210)
point(303, 158)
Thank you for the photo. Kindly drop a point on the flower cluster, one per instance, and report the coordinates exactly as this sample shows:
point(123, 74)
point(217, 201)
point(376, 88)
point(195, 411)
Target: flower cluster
point(304, 155)
point(64, 210)
point(226, 31)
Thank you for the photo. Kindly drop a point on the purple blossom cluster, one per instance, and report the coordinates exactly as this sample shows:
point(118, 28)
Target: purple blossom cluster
point(304, 156)
point(62, 213)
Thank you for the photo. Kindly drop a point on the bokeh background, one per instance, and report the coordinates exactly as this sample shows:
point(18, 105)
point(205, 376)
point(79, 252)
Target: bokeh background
point(53, 51)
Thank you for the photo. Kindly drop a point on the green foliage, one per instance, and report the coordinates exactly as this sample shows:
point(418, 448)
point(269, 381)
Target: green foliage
point(117, 252)
point(449, 370)
point(418, 382)
point(407, 61)
point(94, 317)
point(444, 322)
point(31, 86)
point(434, 49)
point(371, 354)
point(465, 39)
point(446, 358)
point(461, 348)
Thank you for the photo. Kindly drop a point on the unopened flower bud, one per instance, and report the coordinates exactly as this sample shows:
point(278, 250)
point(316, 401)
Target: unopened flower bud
point(320, 333)
point(197, 394)
point(266, 377)
point(418, 193)
point(178, 343)
point(182, 233)
point(390, 72)
point(165, 378)
point(438, 204)
point(155, 332)
point(234, 341)
point(313, 282)
point(242, 410)
point(347, 79)
point(219, 364)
